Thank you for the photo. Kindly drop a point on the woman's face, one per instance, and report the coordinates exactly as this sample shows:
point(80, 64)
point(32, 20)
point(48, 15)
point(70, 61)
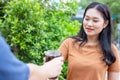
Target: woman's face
point(93, 22)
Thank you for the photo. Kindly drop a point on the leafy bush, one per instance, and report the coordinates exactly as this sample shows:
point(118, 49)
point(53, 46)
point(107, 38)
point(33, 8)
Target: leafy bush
point(22, 29)
point(31, 27)
point(2, 4)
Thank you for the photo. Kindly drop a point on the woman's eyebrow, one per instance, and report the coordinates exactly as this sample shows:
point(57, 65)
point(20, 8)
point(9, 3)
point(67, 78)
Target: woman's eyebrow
point(95, 17)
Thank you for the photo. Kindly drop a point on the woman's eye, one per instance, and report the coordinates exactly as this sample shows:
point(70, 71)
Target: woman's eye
point(95, 20)
point(86, 19)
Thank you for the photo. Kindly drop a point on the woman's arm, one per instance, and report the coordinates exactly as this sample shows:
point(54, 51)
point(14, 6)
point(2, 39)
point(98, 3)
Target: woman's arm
point(114, 69)
point(113, 75)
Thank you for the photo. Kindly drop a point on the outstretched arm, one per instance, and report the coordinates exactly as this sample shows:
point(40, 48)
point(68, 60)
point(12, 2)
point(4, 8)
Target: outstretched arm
point(48, 70)
point(13, 69)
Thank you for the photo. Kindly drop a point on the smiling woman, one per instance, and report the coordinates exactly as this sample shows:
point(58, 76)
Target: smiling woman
point(91, 53)
point(93, 23)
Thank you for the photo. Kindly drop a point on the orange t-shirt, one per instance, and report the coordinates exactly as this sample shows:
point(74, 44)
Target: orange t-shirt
point(85, 63)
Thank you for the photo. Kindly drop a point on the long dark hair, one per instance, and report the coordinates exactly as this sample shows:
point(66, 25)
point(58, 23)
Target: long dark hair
point(104, 36)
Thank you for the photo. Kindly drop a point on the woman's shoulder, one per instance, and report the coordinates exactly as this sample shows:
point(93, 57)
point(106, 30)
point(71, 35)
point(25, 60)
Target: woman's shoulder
point(72, 40)
point(115, 67)
point(114, 47)
point(68, 40)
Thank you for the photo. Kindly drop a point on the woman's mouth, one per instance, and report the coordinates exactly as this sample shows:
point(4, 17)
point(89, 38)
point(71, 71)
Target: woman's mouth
point(89, 29)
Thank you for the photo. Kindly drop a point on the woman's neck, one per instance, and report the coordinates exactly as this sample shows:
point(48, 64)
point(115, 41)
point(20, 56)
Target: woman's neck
point(92, 40)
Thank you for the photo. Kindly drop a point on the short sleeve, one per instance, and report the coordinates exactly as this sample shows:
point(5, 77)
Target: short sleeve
point(115, 67)
point(10, 67)
point(64, 48)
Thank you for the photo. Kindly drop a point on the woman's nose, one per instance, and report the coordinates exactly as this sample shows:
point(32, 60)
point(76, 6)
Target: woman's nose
point(90, 23)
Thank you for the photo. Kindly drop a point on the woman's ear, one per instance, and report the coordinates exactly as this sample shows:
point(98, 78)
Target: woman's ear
point(105, 24)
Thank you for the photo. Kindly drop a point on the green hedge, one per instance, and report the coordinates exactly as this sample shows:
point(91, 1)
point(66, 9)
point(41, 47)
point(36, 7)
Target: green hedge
point(31, 27)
